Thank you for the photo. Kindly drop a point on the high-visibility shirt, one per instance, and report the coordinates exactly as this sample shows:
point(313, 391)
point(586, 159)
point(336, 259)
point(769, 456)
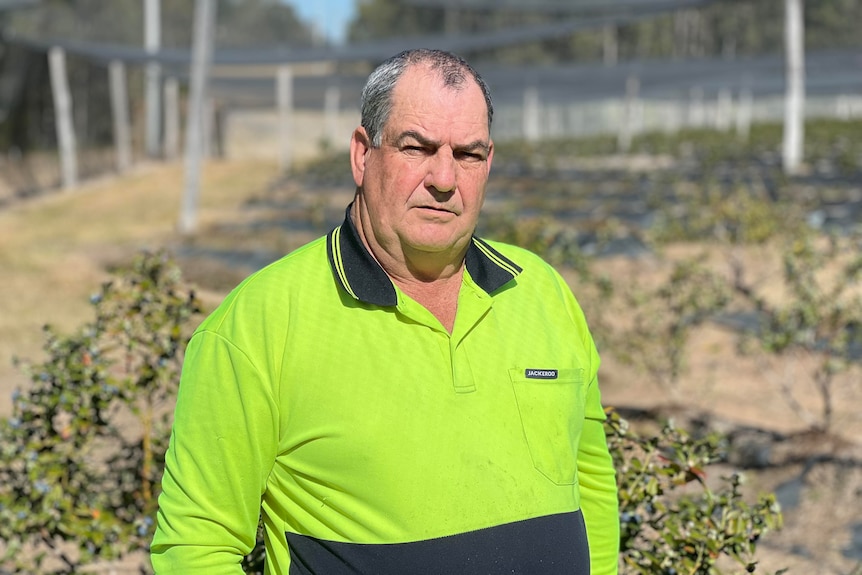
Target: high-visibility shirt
point(321, 398)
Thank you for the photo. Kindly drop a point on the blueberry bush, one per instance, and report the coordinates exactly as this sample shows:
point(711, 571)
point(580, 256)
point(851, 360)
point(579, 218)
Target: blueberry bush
point(82, 454)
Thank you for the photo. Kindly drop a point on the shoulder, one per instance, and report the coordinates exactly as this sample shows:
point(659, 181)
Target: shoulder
point(301, 267)
point(539, 281)
point(533, 267)
point(271, 290)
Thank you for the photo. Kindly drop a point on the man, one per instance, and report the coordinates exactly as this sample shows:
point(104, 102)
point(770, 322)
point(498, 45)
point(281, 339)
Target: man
point(399, 397)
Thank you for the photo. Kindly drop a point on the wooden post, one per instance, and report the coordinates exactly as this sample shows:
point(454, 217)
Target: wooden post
point(794, 104)
point(120, 109)
point(172, 118)
point(284, 97)
point(204, 24)
point(63, 111)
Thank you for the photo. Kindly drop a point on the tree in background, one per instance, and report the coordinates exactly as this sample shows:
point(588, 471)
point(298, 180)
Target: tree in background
point(242, 23)
point(720, 29)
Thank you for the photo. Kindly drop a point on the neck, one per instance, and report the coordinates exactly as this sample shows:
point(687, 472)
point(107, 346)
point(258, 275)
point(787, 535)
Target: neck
point(440, 296)
point(436, 287)
point(432, 279)
point(406, 264)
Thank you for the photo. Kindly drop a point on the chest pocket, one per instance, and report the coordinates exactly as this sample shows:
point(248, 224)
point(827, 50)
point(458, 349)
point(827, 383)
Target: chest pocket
point(552, 415)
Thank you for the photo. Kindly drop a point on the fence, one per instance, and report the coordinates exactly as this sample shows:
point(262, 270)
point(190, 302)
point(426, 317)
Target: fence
point(566, 101)
point(535, 103)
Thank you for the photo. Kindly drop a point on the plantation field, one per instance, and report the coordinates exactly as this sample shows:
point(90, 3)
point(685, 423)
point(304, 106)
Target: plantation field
point(620, 228)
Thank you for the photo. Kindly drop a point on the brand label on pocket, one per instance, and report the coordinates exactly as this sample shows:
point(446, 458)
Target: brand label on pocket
point(541, 373)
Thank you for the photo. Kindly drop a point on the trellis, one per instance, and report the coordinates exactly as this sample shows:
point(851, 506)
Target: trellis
point(278, 65)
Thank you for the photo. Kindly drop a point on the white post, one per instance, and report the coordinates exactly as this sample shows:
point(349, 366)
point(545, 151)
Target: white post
point(744, 114)
point(209, 128)
point(284, 97)
point(695, 107)
point(842, 107)
point(671, 117)
point(576, 120)
point(630, 117)
point(724, 110)
point(152, 43)
point(63, 111)
point(331, 103)
point(205, 15)
point(555, 123)
point(794, 106)
point(531, 114)
point(172, 118)
point(120, 109)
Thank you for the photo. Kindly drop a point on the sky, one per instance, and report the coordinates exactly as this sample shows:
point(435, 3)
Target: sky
point(330, 16)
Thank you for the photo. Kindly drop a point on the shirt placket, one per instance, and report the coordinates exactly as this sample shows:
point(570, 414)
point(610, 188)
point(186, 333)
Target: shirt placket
point(473, 305)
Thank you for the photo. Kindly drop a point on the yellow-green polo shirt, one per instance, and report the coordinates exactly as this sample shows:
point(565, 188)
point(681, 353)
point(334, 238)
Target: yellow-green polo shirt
point(373, 441)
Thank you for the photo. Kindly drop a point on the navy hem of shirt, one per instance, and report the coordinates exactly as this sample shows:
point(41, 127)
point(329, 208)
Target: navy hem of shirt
point(550, 545)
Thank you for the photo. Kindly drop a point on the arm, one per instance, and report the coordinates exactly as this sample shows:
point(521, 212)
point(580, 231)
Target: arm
point(596, 473)
point(221, 451)
point(599, 501)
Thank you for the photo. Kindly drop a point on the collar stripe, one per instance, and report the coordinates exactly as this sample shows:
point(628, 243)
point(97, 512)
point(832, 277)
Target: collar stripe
point(356, 270)
point(511, 267)
point(337, 261)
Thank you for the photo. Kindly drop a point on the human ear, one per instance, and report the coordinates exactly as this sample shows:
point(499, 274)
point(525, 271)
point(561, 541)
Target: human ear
point(359, 146)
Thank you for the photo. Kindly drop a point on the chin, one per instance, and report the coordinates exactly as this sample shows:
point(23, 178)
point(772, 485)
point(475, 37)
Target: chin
point(439, 244)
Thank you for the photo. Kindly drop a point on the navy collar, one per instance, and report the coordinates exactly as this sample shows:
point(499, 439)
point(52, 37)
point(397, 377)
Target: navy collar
point(362, 277)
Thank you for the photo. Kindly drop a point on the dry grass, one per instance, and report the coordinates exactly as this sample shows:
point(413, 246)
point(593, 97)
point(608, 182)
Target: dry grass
point(54, 250)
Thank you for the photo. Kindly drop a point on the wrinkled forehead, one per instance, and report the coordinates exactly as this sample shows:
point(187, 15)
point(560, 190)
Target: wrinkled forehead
point(425, 97)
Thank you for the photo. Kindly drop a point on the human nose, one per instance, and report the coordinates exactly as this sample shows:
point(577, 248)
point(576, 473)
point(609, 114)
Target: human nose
point(441, 172)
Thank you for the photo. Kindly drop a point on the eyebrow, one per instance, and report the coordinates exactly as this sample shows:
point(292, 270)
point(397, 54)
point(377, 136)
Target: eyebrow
point(422, 140)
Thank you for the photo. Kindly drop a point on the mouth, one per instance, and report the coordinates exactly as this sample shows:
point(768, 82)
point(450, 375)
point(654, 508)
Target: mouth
point(438, 209)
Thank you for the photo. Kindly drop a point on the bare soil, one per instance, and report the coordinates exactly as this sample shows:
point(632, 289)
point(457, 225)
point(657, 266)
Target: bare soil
point(55, 249)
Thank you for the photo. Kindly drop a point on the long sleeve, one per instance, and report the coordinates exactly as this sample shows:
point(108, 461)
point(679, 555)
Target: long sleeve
point(221, 451)
point(596, 473)
point(599, 501)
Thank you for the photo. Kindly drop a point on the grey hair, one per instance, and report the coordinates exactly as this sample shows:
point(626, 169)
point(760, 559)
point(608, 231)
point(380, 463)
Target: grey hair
point(376, 101)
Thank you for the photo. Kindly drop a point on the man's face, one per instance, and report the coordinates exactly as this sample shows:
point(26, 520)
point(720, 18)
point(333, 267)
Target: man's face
point(421, 191)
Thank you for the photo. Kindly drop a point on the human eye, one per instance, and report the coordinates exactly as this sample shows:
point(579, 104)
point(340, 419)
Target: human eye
point(413, 149)
point(470, 156)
